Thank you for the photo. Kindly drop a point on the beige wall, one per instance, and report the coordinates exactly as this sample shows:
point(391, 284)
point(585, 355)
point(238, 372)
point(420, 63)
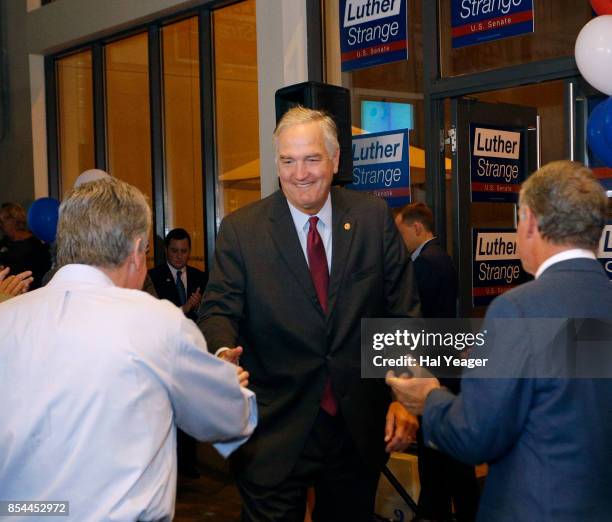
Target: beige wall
point(16, 159)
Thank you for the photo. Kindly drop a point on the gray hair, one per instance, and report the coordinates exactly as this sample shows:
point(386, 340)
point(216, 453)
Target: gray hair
point(99, 222)
point(568, 202)
point(299, 115)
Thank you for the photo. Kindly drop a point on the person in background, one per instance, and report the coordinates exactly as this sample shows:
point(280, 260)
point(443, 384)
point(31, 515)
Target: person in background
point(433, 268)
point(20, 249)
point(96, 374)
point(293, 276)
point(546, 440)
point(13, 285)
point(183, 285)
point(444, 481)
point(175, 280)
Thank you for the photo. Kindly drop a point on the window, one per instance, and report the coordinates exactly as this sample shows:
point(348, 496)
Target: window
point(183, 192)
point(75, 115)
point(236, 106)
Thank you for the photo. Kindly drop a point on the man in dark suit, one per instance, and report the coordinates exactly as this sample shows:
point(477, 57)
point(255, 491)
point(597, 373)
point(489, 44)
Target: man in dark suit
point(433, 268)
point(547, 440)
point(175, 280)
point(444, 480)
point(182, 284)
point(292, 278)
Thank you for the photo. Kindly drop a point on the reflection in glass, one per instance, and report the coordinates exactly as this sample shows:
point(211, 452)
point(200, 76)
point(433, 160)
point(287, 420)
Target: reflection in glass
point(183, 189)
point(75, 117)
point(236, 106)
point(127, 113)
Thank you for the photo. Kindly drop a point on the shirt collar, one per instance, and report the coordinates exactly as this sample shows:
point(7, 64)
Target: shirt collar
point(81, 274)
point(417, 252)
point(301, 219)
point(173, 270)
point(573, 253)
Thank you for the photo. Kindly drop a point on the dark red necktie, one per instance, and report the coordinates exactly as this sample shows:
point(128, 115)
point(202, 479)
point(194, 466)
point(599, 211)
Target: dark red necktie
point(317, 262)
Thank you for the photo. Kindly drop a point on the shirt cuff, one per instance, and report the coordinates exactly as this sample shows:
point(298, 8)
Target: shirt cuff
point(226, 448)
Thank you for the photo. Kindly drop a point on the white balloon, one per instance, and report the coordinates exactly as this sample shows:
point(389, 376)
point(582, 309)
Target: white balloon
point(593, 53)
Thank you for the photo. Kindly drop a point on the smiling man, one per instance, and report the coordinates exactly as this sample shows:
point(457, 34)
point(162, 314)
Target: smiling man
point(292, 278)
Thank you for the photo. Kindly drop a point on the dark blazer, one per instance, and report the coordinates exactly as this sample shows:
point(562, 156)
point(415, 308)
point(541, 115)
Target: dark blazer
point(260, 295)
point(165, 285)
point(436, 278)
point(547, 441)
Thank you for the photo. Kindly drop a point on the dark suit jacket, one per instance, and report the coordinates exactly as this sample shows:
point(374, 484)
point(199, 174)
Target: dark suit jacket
point(165, 285)
point(436, 278)
point(261, 296)
point(547, 441)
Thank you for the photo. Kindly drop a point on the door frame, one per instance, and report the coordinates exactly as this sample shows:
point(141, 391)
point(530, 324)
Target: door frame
point(437, 90)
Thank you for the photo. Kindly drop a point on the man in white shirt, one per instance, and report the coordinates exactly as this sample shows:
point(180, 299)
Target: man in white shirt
point(95, 375)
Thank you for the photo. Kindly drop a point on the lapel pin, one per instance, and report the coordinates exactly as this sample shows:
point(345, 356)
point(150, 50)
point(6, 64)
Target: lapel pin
point(347, 226)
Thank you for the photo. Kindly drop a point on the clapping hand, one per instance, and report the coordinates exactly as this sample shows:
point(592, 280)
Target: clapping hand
point(15, 284)
point(193, 301)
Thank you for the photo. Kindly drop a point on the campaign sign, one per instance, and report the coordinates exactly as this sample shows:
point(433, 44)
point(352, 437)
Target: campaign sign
point(372, 32)
point(478, 21)
point(381, 165)
point(496, 267)
point(496, 163)
point(604, 253)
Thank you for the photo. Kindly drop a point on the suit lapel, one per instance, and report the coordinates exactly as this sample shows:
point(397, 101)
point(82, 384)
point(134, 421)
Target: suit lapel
point(170, 285)
point(343, 227)
point(191, 281)
point(283, 233)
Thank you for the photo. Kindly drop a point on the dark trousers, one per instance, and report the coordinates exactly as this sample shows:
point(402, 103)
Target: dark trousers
point(445, 481)
point(344, 490)
point(186, 450)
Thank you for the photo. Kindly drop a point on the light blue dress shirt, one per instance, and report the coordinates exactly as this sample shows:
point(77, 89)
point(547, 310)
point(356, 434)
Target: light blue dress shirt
point(324, 226)
point(94, 380)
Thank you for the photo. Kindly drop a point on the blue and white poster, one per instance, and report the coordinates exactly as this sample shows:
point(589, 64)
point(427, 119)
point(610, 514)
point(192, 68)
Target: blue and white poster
point(496, 266)
point(497, 165)
point(381, 166)
point(604, 253)
point(372, 32)
point(478, 21)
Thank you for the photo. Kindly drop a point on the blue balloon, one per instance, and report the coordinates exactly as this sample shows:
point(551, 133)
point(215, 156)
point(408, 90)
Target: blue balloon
point(607, 120)
point(42, 218)
point(596, 136)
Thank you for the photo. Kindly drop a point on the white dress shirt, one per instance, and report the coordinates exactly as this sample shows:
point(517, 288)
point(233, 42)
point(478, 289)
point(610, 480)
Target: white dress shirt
point(324, 227)
point(174, 271)
point(93, 381)
point(574, 253)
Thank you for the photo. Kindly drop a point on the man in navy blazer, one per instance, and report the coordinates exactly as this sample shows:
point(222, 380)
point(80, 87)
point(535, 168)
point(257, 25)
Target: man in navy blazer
point(178, 251)
point(293, 275)
point(547, 440)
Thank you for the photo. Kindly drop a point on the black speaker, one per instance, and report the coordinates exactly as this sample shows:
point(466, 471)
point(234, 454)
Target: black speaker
point(334, 100)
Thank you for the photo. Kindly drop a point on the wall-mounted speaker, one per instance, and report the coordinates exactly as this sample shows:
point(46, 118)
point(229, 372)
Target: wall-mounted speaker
point(334, 100)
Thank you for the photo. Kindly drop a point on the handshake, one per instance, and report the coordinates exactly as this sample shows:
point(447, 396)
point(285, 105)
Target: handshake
point(412, 391)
